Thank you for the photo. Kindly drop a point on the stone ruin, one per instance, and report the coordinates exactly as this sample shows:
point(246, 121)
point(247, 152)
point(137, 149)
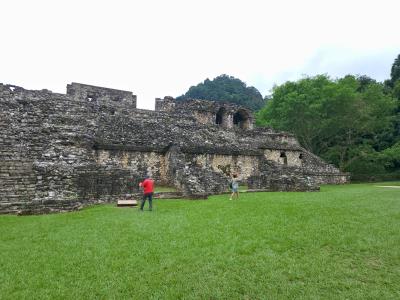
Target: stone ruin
point(59, 152)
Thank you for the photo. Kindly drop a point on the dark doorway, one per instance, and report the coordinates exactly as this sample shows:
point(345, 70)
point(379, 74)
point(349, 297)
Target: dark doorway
point(284, 158)
point(241, 119)
point(220, 117)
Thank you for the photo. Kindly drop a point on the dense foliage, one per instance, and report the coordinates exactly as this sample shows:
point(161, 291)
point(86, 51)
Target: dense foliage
point(226, 88)
point(395, 71)
point(352, 122)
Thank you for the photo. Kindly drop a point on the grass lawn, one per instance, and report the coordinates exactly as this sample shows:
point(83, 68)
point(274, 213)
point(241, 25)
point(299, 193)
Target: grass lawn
point(340, 243)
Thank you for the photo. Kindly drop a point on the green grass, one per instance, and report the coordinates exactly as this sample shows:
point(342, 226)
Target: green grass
point(340, 243)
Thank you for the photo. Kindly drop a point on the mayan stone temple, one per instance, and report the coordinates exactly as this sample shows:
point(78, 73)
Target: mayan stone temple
point(60, 152)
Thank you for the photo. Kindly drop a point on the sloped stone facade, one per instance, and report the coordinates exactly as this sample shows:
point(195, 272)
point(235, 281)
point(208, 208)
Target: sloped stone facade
point(59, 152)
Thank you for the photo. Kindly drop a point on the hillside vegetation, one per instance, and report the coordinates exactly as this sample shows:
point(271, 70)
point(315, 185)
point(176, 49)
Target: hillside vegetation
point(227, 89)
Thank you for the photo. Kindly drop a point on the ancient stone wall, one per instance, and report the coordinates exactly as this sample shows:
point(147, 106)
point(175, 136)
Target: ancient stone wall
point(274, 177)
point(42, 135)
point(284, 157)
point(150, 163)
point(242, 165)
point(91, 93)
point(223, 114)
point(167, 104)
point(60, 152)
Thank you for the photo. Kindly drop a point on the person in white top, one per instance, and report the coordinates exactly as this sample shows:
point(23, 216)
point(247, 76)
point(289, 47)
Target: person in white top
point(234, 186)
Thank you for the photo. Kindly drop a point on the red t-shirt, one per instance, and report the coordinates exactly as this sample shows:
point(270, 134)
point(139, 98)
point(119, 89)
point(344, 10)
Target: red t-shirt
point(148, 186)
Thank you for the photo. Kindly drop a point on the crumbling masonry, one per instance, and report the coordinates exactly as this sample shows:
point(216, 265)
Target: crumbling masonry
point(60, 152)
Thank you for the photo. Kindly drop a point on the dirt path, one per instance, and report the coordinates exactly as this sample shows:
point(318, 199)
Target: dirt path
point(389, 186)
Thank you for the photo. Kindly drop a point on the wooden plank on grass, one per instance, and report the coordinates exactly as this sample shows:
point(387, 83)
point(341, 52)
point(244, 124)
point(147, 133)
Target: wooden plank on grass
point(121, 203)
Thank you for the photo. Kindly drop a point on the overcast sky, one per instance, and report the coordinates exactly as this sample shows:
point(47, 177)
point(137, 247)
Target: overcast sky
point(158, 48)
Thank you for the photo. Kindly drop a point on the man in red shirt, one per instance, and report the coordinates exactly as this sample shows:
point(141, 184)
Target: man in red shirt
point(148, 189)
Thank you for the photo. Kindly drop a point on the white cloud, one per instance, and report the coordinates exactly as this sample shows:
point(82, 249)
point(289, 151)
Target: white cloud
point(157, 48)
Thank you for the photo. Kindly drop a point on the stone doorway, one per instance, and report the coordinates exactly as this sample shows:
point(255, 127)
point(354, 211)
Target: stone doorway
point(241, 119)
point(220, 118)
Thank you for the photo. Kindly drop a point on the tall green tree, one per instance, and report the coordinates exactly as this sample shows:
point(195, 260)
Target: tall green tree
point(393, 87)
point(395, 71)
point(296, 107)
point(346, 121)
point(226, 88)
